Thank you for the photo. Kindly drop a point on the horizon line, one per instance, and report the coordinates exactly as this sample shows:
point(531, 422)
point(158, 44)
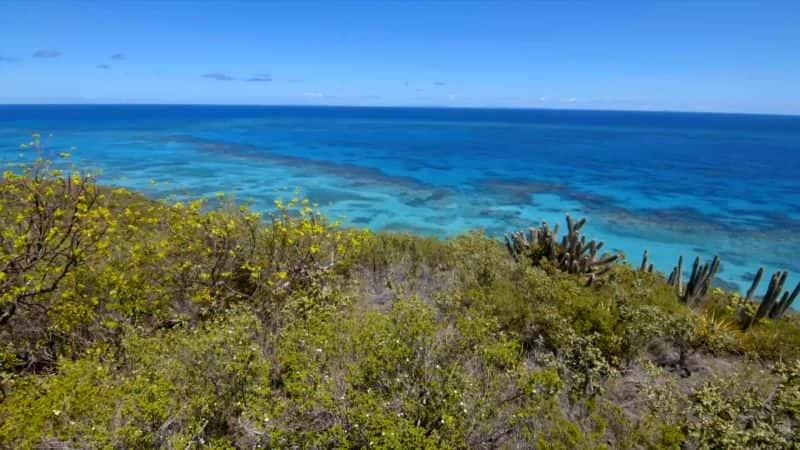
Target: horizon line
point(421, 106)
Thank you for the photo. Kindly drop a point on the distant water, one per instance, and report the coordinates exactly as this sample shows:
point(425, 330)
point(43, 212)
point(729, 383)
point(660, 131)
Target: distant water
point(674, 183)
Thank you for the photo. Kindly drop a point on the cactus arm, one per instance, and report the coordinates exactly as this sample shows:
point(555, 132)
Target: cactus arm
point(755, 284)
point(790, 300)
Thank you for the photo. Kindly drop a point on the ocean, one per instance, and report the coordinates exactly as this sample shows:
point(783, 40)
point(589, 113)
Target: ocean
point(686, 184)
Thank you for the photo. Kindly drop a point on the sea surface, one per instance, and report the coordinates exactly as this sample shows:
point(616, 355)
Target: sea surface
point(673, 183)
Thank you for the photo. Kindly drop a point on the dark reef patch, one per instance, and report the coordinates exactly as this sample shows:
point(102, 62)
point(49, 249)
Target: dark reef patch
point(360, 220)
point(748, 277)
point(418, 164)
point(324, 196)
point(515, 191)
point(356, 175)
point(501, 214)
point(433, 196)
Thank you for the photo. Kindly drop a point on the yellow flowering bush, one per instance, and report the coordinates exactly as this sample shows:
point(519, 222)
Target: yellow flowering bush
point(79, 261)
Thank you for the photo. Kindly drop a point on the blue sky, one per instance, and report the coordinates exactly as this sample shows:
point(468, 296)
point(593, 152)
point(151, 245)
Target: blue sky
point(692, 56)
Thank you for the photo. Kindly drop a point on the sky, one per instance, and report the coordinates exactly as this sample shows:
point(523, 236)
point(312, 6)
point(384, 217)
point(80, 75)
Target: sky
point(721, 56)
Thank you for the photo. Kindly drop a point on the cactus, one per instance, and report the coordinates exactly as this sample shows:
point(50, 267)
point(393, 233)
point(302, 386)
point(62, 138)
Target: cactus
point(645, 267)
point(771, 307)
point(754, 286)
point(785, 305)
point(572, 253)
point(699, 282)
point(676, 277)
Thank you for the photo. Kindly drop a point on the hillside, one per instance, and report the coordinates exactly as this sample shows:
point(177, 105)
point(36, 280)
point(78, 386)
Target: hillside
point(133, 323)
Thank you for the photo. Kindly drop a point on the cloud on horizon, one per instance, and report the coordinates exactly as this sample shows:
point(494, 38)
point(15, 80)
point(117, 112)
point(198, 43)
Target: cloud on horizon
point(119, 56)
point(313, 94)
point(218, 76)
point(46, 53)
point(439, 83)
point(264, 77)
point(103, 66)
point(8, 59)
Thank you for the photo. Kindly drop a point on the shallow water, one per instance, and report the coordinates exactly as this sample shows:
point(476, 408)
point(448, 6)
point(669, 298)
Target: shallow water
point(674, 183)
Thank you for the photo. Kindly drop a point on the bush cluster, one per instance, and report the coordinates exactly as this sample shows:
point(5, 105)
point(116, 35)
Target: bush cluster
point(133, 323)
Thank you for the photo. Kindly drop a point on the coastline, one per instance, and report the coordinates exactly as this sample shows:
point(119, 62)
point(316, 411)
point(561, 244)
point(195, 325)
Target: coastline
point(439, 172)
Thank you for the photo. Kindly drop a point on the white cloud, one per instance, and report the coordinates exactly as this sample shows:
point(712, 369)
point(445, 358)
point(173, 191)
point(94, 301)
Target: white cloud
point(313, 94)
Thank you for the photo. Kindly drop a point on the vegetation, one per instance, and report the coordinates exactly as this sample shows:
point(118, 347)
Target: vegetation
point(131, 323)
point(573, 254)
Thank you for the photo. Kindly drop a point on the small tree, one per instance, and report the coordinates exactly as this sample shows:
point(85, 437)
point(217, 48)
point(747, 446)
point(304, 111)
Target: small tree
point(50, 222)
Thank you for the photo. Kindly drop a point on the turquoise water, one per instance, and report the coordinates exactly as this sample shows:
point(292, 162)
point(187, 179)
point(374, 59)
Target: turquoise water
point(674, 183)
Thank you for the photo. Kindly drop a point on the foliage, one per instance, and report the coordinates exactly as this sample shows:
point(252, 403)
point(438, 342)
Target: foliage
point(169, 389)
point(573, 253)
point(79, 262)
point(132, 323)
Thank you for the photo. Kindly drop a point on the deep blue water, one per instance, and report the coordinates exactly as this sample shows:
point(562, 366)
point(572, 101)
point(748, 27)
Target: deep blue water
point(674, 183)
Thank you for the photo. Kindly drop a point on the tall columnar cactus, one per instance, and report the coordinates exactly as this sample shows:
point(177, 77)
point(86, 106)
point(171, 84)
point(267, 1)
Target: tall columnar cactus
point(676, 277)
point(645, 267)
point(756, 281)
point(775, 301)
point(572, 253)
point(699, 282)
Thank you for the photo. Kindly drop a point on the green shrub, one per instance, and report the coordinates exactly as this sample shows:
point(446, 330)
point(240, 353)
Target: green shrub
point(167, 389)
